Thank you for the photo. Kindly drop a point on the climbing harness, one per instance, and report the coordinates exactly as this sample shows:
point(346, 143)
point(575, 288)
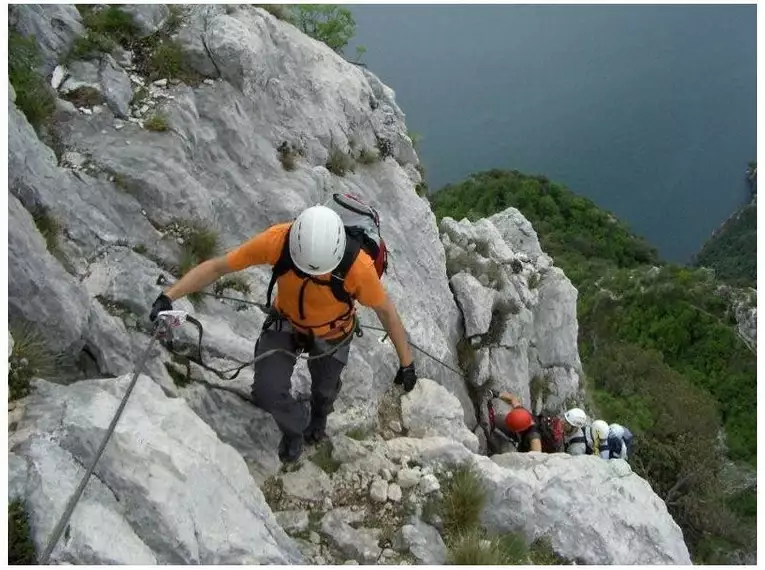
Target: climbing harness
point(165, 321)
point(197, 359)
point(162, 280)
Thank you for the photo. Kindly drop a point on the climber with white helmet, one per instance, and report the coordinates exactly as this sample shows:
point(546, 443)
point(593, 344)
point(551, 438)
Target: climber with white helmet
point(600, 443)
point(619, 442)
point(321, 269)
point(575, 432)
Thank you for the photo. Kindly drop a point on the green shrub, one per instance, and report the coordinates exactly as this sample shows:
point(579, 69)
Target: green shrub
point(339, 162)
point(384, 148)
point(732, 251)
point(21, 548)
point(157, 122)
point(235, 282)
point(140, 249)
point(323, 458)
point(359, 434)
point(180, 379)
point(110, 21)
point(360, 51)
point(202, 240)
point(329, 23)
point(472, 548)
point(49, 226)
point(34, 97)
point(541, 553)
point(288, 156)
point(658, 344)
point(200, 243)
point(367, 156)
point(84, 97)
point(166, 61)
point(31, 358)
point(91, 46)
point(463, 500)
point(175, 19)
point(106, 28)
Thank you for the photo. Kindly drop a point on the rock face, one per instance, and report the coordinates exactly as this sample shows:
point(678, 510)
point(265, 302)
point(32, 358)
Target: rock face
point(218, 165)
point(430, 410)
point(54, 27)
point(180, 481)
point(540, 495)
point(519, 310)
point(148, 17)
point(40, 290)
point(166, 490)
point(424, 542)
point(554, 483)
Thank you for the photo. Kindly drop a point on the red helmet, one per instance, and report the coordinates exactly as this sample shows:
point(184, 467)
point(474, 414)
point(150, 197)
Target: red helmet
point(519, 420)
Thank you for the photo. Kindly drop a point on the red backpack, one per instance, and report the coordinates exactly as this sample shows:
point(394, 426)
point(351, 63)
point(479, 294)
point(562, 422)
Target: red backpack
point(362, 230)
point(551, 430)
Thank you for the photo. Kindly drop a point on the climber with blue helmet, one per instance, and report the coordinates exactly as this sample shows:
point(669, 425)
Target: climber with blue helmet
point(619, 442)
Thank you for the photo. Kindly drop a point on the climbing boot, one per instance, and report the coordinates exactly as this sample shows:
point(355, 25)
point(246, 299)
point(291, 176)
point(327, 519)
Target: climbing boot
point(316, 430)
point(290, 448)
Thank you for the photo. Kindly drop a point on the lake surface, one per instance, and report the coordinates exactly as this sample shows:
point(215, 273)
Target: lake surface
point(650, 111)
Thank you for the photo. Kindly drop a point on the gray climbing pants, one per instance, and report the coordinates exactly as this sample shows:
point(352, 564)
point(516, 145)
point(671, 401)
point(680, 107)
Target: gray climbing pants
point(272, 380)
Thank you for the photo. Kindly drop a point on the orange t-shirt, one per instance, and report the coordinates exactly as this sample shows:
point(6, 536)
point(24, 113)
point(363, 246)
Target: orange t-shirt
point(319, 304)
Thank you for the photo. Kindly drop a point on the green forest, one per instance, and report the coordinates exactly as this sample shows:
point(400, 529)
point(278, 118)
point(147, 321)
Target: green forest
point(659, 348)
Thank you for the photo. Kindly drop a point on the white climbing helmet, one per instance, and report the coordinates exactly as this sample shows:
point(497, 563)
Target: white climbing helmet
point(317, 240)
point(600, 429)
point(616, 430)
point(576, 417)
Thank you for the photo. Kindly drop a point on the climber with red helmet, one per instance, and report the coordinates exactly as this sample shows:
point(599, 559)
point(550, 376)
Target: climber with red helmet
point(321, 267)
point(519, 425)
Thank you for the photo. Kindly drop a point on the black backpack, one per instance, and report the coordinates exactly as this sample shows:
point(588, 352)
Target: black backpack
point(362, 230)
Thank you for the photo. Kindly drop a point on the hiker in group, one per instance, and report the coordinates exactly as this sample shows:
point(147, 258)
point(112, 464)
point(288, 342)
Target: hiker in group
point(577, 437)
point(321, 266)
point(519, 425)
point(599, 444)
point(619, 442)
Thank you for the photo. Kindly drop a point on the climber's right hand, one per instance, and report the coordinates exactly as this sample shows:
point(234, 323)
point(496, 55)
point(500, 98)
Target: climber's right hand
point(163, 303)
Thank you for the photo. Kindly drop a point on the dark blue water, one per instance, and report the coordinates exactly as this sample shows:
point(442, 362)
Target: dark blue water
point(650, 111)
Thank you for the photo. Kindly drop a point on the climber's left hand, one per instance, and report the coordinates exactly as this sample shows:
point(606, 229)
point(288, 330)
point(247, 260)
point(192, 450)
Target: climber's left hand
point(406, 376)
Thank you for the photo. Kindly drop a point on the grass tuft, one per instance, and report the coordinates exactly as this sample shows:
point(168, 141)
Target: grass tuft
point(31, 358)
point(471, 548)
point(34, 97)
point(236, 283)
point(323, 458)
point(49, 227)
point(359, 434)
point(339, 162)
point(84, 97)
point(288, 156)
point(463, 499)
point(21, 548)
point(367, 156)
point(157, 123)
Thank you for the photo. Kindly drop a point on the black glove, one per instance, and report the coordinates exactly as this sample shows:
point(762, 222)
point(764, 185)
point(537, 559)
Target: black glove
point(163, 303)
point(406, 376)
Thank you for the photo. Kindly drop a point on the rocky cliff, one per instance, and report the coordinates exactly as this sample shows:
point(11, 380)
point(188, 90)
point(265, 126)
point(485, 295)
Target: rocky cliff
point(143, 169)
